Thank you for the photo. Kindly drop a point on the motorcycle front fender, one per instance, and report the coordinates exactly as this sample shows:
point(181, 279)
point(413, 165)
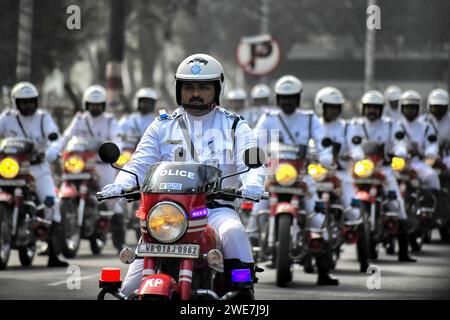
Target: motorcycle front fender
point(285, 208)
point(6, 197)
point(159, 285)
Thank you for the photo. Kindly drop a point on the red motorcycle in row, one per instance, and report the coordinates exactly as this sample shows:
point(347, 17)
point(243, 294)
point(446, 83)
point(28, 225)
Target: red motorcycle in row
point(22, 216)
point(181, 252)
point(82, 217)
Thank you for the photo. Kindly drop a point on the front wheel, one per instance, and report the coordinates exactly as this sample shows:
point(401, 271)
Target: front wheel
point(71, 231)
point(283, 261)
point(5, 235)
point(26, 254)
point(362, 247)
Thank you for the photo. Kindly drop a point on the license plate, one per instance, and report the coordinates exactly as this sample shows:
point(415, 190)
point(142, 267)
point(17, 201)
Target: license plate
point(13, 183)
point(286, 190)
point(76, 176)
point(169, 250)
point(325, 186)
point(368, 181)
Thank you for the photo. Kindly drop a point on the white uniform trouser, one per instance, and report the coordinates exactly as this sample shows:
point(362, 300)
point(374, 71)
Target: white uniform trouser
point(446, 161)
point(348, 193)
point(45, 187)
point(427, 176)
point(107, 175)
point(234, 244)
point(393, 186)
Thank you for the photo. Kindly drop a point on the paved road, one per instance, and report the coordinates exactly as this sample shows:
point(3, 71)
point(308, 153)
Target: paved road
point(427, 279)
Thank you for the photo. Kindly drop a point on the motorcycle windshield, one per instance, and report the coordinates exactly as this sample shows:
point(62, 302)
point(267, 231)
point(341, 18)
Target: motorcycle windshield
point(372, 148)
point(287, 152)
point(16, 146)
point(181, 178)
point(81, 144)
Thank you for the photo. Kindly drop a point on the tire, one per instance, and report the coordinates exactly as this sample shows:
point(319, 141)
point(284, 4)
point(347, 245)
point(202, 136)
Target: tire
point(26, 254)
point(97, 242)
point(5, 235)
point(283, 263)
point(444, 233)
point(373, 247)
point(71, 233)
point(362, 246)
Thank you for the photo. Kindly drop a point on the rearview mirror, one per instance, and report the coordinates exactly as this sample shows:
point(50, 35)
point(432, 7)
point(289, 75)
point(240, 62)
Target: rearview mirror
point(254, 158)
point(109, 152)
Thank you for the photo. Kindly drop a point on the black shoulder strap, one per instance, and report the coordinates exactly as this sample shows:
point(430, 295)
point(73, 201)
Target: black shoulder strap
point(233, 130)
point(21, 126)
point(187, 138)
point(109, 126)
point(286, 129)
point(365, 131)
point(310, 127)
point(136, 126)
point(406, 131)
point(42, 126)
point(88, 125)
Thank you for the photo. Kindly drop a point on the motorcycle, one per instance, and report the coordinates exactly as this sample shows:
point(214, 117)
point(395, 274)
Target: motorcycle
point(381, 209)
point(286, 234)
point(344, 224)
point(82, 217)
point(420, 207)
point(177, 242)
point(129, 144)
point(22, 217)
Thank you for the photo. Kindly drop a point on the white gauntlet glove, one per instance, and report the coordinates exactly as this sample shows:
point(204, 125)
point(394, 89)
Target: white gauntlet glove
point(112, 190)
point(51, 154)
point(252, 191)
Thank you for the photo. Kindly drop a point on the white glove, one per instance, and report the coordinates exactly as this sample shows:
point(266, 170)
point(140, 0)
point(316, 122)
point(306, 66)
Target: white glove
point(51, 154)
point(113, 189)
point(401, 153)
point(252, 191)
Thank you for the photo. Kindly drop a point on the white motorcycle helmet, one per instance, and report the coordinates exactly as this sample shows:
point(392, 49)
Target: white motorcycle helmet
point(392, 93)
point(410, 97)
point(372, 97)
point(288, 85)
point(200, 67)
point(24, 90)
point(237, 94)
point(143, 93)
point(260, 91)
point(327, 95)
point(94, 94)
point(437, 97)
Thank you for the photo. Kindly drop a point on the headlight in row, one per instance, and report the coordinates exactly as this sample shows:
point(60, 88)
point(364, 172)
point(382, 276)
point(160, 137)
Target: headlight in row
point(167, 222)
point(286, 174)
point(74, 164)
point(364, 168)
point(398, 164)
point(124, 158)
point(9, 168)
point(317, 171)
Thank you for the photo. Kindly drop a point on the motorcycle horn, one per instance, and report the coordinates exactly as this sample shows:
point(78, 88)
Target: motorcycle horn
point(109, 152)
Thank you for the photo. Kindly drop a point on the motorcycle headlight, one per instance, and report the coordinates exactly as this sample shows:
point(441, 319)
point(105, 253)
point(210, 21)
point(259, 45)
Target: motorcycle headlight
point(123, 159)
point(167, 222)
point(398, 164)
point(364, 168)
point(9, 168)
point(317, 171)
point(286, 174)
point(74, 164)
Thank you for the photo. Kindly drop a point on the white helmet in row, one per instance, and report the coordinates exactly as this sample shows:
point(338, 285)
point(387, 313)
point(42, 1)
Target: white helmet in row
point(410, 97)
point(260, 91)
point(144, 93)
point(288, 85)
point(437, 97)
point(392, 93)
point(237, 94)
point(327, 95)
point(372, 97)
point(200, 67)
point(94, 94)
point(24, 90)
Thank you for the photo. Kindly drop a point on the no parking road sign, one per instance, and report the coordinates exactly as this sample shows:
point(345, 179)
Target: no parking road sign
point(258, 55)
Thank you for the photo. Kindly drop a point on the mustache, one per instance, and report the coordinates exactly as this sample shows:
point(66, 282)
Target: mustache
point(196, 100)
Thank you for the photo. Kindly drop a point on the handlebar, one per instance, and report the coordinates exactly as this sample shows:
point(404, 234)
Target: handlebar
point(131, 194)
